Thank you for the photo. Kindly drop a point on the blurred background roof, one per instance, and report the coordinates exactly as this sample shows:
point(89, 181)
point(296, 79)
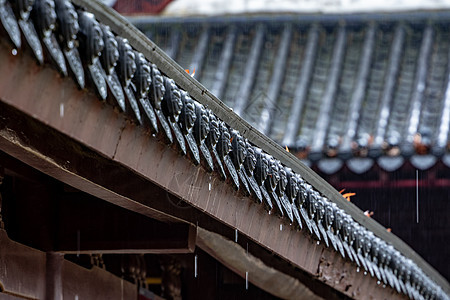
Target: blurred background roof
point(326, 87)
point(226, 7)
point(221, 7)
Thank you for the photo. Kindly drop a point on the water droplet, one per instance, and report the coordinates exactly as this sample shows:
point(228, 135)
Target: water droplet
point(357, 269)
point(378, 282)
point(384, 286)
point(246, 280)
point(14, 52)
point(270, 212)
point(195, 266)
point(365, 273)
point(318, 242)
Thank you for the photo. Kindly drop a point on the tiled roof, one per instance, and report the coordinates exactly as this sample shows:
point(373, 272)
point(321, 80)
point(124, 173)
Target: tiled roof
point(326, 87)
point(101, 59)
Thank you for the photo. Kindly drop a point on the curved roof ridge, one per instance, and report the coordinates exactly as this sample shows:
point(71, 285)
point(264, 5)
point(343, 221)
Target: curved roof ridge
point(285, 183)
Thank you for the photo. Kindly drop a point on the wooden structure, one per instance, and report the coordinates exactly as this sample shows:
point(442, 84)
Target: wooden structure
point(326, 83)
point(82, 176)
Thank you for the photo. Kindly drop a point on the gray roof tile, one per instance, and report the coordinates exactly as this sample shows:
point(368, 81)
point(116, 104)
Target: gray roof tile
point(328, 88)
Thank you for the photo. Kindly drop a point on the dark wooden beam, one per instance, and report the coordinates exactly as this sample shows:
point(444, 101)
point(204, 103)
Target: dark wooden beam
point(95, 149)
point(234, 257)
point(28, 273)
point(68, 167)
point(141, 43)
point(87, 225)
point(50, 216)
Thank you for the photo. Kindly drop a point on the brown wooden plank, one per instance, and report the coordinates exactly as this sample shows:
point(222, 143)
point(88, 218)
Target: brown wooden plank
point(23, 269)
point(162, 166)
point(237, 259)
point(88, 225)
point(141, 43)
point(27, 274)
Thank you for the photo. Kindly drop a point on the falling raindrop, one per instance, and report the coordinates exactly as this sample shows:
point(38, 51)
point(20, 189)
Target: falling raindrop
point(246, 280)
point(270, 212)
point(317, 242)
point(235, 235)
point(14, 52)
point(357, 269)
point(195, 265)
point(281, 227)
point(61, 110)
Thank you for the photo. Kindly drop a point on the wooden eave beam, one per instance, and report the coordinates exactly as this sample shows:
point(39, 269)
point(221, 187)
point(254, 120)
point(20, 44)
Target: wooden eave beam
point(87, 225)
point(197, 91)
point(249, 267)
point(90, 132)
point(28, 273)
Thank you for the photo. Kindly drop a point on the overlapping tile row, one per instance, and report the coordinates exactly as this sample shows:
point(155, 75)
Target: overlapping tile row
point(77, 45)
point(384, 100)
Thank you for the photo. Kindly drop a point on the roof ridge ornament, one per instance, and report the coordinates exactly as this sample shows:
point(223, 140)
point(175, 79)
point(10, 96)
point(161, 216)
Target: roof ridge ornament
point(109, 59)
point(156, 95)
point(186, 122)
point(67, 30)
point(91, 45)
point(9, 22)
point(23, 9)
point(171, 107)
point(141, 82)
point(200, 133)
point(44, 16)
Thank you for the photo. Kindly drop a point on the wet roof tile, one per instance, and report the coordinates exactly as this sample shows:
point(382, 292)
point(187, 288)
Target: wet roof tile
point(325, 88)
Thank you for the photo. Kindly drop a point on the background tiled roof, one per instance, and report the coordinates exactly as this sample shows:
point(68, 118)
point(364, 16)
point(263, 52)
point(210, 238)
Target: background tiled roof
point(369, 86)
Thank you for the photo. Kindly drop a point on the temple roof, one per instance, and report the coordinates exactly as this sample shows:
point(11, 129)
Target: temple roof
point(330, 88)
point(140, 110)
point(221, 7)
